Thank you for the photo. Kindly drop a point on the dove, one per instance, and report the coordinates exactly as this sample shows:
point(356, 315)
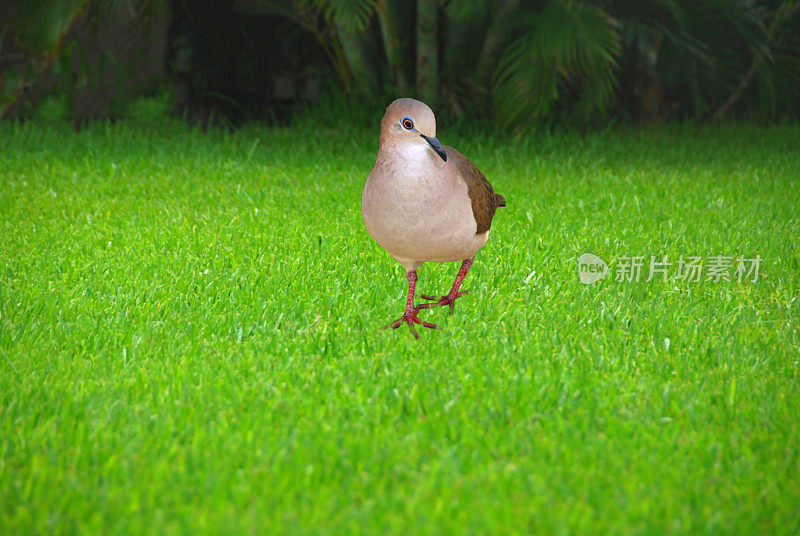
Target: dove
point(425, 202)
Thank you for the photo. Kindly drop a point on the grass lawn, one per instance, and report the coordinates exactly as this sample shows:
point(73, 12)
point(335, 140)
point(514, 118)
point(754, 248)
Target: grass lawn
point(190, 342)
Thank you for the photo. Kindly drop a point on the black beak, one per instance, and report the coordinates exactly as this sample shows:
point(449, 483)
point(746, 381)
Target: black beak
point(436, 146)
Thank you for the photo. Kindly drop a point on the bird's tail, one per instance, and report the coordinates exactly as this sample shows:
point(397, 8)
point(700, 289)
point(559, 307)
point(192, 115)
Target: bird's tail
point(501, 201)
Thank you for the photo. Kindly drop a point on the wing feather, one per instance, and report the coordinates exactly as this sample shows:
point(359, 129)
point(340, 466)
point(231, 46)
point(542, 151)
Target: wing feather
point(484, 200)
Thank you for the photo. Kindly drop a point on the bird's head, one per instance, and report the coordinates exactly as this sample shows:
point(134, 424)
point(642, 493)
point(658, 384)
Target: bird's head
point(409, 124)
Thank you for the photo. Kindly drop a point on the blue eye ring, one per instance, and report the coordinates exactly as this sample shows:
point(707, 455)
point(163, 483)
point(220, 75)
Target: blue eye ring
point(407, 123)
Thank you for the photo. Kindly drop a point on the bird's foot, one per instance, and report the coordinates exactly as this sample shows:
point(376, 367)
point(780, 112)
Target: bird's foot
point(442, 301)
point(410, 317)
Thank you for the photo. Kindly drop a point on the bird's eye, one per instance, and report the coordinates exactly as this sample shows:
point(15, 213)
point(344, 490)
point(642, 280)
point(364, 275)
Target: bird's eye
point(408, 124)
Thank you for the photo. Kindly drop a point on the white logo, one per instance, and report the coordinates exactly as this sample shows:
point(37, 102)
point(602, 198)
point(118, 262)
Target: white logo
point(591, 268)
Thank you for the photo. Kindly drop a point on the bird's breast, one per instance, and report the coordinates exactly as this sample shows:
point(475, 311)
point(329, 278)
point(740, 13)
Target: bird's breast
point(418, 212)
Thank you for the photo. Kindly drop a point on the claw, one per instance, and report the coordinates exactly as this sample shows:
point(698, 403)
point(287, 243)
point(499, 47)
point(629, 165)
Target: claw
point(450, 300)
point(410, 317)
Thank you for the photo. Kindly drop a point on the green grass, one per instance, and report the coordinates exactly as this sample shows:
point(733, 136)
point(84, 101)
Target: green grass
point(190, 342)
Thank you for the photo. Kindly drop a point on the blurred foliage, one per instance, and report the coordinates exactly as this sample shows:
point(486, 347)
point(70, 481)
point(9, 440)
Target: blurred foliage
point(567, 46)
point(39, 25)
point(699, 58)
point(33, 41)
point(522, 63)
point(572, 61)
point(151, 110)
point(34, 31)
point(53, 109)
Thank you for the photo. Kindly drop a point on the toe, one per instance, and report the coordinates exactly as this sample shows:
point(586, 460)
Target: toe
point(413, 331)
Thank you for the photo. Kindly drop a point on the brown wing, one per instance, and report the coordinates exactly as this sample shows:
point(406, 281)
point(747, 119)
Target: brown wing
point(484, 201)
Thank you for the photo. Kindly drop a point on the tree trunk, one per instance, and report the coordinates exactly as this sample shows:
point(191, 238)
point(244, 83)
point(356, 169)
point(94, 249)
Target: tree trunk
point(391, 42)
point(427, 51)
point(496, 34)
point(362, 78)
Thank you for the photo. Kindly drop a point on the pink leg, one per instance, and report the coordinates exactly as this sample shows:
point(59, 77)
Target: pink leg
point(450, 299)
point(410, 315)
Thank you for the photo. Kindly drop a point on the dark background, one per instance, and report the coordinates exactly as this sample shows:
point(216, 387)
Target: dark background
point(577, 64)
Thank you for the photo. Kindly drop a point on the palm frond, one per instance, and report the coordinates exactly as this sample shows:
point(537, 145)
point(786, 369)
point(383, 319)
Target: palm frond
point(569, 42)
point(350, 15)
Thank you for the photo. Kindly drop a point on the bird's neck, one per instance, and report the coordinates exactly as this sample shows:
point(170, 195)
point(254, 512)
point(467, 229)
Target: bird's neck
point(414, 157)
